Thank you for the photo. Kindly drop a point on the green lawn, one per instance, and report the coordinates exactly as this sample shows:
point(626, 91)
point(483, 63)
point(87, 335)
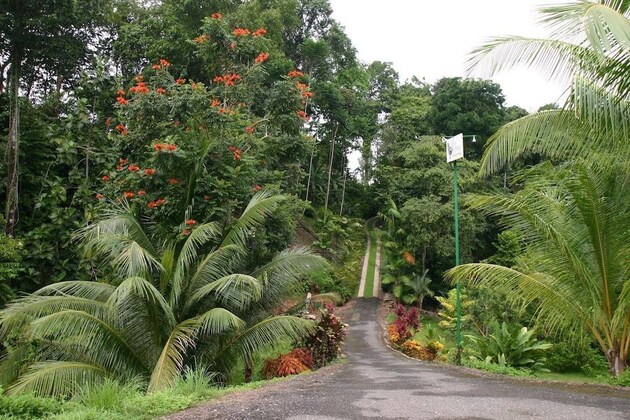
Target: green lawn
point(369, 278)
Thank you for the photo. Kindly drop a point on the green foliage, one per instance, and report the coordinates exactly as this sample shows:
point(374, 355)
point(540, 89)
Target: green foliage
point(27, 406)
point(567, 356)
point(11, 252)
point(495, 368)
point(513, 348)
point(326, 342)
point(447, 310)
point(572, 269)
point(622, 380)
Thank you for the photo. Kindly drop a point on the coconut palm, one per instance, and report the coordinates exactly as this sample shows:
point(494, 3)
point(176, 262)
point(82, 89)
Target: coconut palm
point(177, 298)
point(589, 51)
point(574, 270)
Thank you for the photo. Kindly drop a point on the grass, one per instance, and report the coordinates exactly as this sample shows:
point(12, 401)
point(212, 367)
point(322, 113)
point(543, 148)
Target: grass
point(580, 377)
point(369, 277)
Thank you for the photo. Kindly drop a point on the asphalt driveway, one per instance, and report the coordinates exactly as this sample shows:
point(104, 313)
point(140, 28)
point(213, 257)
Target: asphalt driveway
point(377, 382)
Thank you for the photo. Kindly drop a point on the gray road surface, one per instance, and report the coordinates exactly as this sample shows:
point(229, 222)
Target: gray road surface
point(378, 383)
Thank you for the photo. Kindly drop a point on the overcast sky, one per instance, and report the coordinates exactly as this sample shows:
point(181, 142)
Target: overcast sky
point(432, 39)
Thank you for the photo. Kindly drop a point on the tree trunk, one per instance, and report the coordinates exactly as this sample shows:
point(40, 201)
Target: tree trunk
point(343, 191)
point(330, 164)
point(248, 370)
point(310, 172)
point(616, 362)
point(11, 209)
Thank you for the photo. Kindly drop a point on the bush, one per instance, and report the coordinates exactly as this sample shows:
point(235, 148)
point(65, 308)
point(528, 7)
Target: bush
point(623, 379)
point(281, 366)
point(567, 357)
point(515, 348)
point(326, 343)
point(108, 395)
point(27, 406)
point(495, 368)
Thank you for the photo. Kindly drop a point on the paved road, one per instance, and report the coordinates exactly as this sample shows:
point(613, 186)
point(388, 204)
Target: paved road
point(377, 382)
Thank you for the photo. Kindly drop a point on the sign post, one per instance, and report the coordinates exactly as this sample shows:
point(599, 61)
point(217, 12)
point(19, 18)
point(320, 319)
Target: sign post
point(454, 151)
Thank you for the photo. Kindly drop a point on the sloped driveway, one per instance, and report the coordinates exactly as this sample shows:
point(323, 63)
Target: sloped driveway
point(379, 383)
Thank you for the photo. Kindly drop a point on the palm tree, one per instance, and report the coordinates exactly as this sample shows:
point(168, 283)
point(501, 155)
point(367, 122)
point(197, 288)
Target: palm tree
point(574, 270)
point(178, 298)
point(590, 50)
point(416, 287)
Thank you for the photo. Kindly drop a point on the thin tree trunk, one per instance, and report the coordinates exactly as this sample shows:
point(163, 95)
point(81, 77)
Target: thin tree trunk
point(330, 164)
point(616, 362)
point(310, 171)
point(11, 209)
point(248, 370)
point(343, 190)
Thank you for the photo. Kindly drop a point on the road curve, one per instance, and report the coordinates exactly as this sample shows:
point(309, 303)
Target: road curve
point(379, 383)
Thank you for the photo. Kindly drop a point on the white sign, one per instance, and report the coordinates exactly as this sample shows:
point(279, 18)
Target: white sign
point(455, 148)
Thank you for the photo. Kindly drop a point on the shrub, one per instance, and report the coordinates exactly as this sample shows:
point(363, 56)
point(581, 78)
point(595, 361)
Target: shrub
point(326, 343)
point(414, 349)
point(407, 321)
point(495, 368)
point(567, 357)
point(108, 395)
point(622, 380)
point(284, 365)
point(303, 355)
point(27, 406)
point(516, 348)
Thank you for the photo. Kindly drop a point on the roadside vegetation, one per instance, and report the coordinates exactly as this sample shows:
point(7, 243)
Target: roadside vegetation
point(180, 214)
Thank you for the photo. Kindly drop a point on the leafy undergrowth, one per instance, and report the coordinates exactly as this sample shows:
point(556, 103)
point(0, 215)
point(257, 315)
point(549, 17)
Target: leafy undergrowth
point(112, 400)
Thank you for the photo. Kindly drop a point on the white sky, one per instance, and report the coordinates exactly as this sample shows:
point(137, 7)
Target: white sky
point(432, 39)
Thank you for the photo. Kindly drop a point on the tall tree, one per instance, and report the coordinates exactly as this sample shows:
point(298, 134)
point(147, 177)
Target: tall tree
point(43, 45)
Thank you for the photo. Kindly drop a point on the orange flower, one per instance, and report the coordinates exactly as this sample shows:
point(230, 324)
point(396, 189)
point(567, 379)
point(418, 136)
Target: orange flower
point(186, 232)
point(142, 192)
point(133, 168)
point(105, 178)
point(122, 161)
point(173, 181)
point(158, 147)
point(256, 188)
point(260, 32)
point(302, 115)
point(307, 94)
point(180, 81)
point(229, 79)
point(99, 196)
point(122, 100)
point(236, 152)
point(215, 103)
point(295, 73)
point(122, 129)
point(301, 86)
point(128, 194)
point(160, 91)
point(140, 87)
point(240, 32)
point(160, 201)
point(216, 16)
point(409, 258)
point(156, 67)
point(191, 222)
point(119, 168)
point(250, 129)
point(139, 78)
point(120, 92)
point(201, 39)
point(149, 171)
point(262, 57)
point(164, 63)
point(171, 147)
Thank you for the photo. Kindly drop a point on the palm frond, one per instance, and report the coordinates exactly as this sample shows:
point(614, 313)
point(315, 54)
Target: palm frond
point(58, 378)
point(554, 133)
point(171, 360)
point(262, 204)
point(262, 335)
point(84, 289)
point(235, 291)
point(22, 311)
point(218, 321)
point(218, 263)
point(101, 341)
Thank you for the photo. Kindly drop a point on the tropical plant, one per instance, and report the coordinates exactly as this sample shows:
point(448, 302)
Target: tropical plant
point(167, 301)
point(416, 287)
point(326, 341)
point(512, 347)
point(590, 47)
point(573, 269)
